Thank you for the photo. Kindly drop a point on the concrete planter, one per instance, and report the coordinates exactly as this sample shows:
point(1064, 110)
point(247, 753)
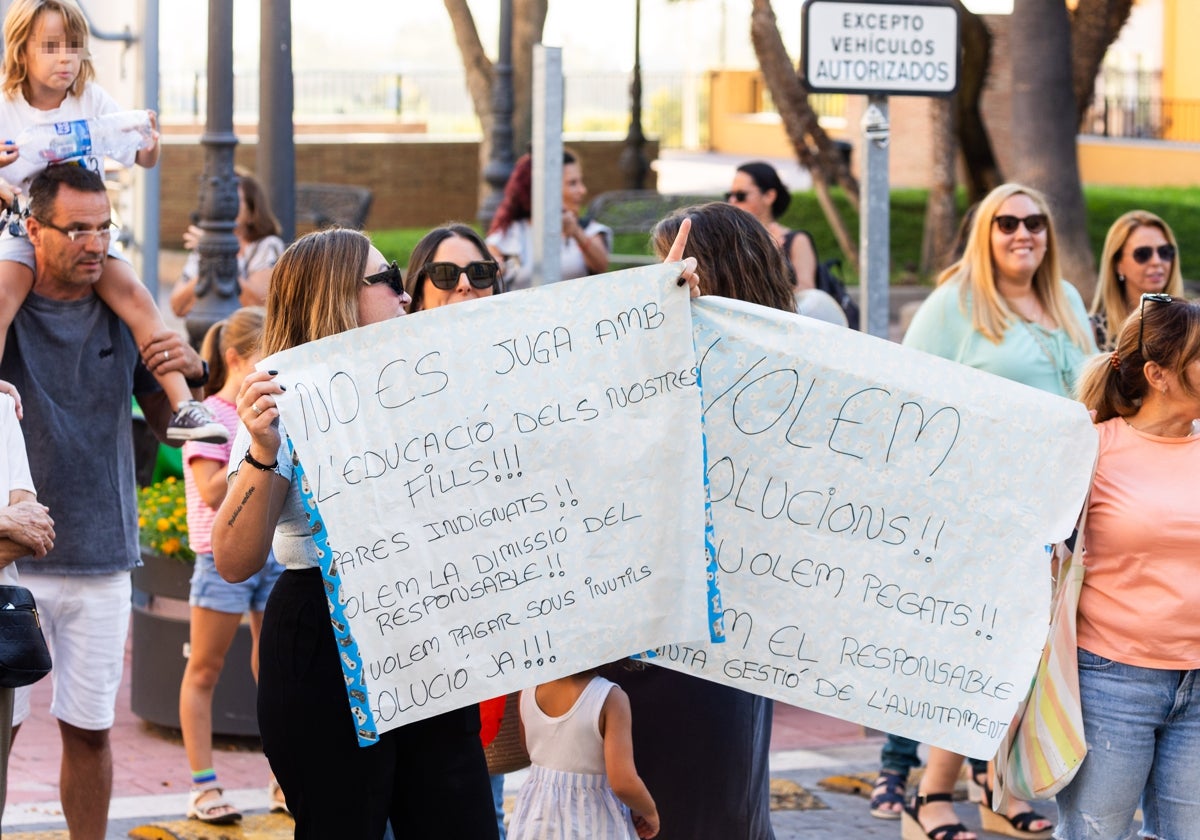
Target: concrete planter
point(160, 649)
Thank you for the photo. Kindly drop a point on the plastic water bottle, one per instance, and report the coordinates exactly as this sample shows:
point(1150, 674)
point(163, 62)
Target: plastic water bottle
point(112, 135)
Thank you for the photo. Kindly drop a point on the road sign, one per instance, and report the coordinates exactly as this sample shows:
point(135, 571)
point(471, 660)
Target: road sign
point(873, 47)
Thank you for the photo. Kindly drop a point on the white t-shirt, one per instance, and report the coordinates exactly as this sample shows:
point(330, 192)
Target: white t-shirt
point(14, 467)
point(16, 115)
point(516, 244)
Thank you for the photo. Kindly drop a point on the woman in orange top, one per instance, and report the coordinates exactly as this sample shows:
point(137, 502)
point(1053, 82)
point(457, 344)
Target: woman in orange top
point(1139, 641)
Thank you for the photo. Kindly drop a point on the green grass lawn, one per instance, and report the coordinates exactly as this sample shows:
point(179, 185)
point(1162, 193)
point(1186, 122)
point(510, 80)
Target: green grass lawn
point(1180, 207)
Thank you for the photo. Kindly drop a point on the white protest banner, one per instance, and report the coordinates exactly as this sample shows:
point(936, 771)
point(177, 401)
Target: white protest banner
point(881, 518)
point(512, 488)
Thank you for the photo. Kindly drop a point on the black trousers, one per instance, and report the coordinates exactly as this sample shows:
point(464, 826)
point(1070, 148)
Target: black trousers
point(429, 778)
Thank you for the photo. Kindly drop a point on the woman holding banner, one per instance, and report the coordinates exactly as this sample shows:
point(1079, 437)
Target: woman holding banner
point(1139, 642)
point(702, 748)
point(1002, 308)
point(428, 778)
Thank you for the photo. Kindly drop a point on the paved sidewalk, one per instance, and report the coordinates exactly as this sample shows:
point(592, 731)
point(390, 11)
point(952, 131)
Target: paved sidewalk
point(150, 774)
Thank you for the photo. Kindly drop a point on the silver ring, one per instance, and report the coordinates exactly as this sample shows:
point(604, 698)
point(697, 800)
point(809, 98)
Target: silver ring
point(257, 410)
point(166, 355)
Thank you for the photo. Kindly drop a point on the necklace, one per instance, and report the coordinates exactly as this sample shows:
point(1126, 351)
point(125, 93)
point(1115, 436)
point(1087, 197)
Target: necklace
point(1064, 373)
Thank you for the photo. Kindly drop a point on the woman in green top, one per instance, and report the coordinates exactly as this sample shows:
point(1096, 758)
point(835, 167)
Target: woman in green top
point(1003, 308)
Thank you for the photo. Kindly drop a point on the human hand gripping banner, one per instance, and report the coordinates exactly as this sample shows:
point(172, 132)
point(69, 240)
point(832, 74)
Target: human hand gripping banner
point(511, 488)
point(881, 521)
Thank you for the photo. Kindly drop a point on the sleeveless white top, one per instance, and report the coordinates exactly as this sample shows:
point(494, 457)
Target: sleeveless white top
point(572, 741)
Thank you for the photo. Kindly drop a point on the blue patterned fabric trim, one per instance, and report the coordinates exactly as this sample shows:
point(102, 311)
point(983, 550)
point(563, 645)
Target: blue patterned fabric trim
point(352, 670)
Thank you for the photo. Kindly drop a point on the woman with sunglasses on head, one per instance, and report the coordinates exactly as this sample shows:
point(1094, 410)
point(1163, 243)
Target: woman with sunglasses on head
point(1002, 307)
point(1140, 255)
point(585, 244)
point(428, 778)
point(1139, 641)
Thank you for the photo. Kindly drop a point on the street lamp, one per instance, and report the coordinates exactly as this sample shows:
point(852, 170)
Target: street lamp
point(500, 162)
point(633, 157)
point(217, 284)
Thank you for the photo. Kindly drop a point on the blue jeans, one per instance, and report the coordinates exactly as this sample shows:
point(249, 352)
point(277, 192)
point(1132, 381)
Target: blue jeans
point(1143, 735)
point(899, 755)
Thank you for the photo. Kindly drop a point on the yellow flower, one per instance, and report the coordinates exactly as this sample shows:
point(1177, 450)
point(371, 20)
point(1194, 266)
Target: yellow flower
point(162, 524)
point(170, 546)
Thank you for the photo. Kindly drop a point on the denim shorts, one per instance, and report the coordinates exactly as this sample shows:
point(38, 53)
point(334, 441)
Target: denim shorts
point(212, 592)
point(1142, 727)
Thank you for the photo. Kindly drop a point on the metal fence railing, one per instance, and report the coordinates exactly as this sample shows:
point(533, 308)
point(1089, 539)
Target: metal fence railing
point(439, 99)
point(1148, 118)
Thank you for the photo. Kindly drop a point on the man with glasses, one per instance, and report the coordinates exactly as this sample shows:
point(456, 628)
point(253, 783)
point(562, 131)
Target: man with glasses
point(75, 364)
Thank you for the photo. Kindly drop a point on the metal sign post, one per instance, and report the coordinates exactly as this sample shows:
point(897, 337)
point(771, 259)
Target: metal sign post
point(874, 244)
point(879, 48)
point(547, 164)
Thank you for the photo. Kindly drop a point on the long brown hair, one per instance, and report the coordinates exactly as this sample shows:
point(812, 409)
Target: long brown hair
point(314, 288)
point(18, 29)
point(735, 255)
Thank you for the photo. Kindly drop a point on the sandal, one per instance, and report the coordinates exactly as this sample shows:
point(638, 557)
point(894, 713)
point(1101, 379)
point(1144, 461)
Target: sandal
point(889, 791)
point(212, 809)
point(1015, 826)
point(910, 824)
point(277, 799)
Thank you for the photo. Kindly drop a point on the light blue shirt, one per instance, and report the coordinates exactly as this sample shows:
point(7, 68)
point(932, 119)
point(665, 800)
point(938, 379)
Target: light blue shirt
point(1028, 353)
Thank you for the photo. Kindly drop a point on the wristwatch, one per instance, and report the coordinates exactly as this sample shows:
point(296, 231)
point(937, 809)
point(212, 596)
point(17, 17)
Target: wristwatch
point(202, 380)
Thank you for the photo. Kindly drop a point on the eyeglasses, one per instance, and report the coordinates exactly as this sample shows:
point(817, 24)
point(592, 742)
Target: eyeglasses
point(103, 234)
point(482, 274)
point(1142, 255)
point(1157, 297)
point(1035, 223)
point(390, 275)
point(737, 195)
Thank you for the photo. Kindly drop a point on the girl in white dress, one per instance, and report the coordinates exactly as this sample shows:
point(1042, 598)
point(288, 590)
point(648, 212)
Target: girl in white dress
point(583, 784)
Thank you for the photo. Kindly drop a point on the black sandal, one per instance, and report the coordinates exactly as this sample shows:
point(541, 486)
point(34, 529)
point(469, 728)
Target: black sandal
point(994, 822)
point(893, 791)
point(910, 824)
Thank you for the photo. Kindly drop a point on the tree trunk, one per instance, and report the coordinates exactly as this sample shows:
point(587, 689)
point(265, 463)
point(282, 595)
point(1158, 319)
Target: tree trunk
point(941, 214)
point(983, 173)
point(529, 18)
point(1095, 24)
point(1044, 141)
point(813, 147)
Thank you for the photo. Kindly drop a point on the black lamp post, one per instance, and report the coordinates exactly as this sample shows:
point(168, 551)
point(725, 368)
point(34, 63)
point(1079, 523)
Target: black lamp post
point(633, 157)
point(500, 163)
point(217, 286)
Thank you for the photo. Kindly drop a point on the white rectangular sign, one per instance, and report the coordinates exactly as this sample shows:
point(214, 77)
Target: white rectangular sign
point(880, 48)
point(881, 519)
point(512, 488)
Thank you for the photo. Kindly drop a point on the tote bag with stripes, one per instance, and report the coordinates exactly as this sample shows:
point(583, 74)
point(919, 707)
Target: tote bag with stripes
point(1045, 746)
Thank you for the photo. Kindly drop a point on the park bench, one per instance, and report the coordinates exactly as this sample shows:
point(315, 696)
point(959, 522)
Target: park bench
point(637, 211)
point(324, 205)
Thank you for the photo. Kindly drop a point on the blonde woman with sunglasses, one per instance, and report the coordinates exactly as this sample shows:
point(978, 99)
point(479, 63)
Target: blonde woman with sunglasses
point(1140, 256)
point(1002, 308)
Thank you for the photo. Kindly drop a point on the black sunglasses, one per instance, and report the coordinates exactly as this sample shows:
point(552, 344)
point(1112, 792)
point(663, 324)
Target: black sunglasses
point(482, 274)
point(1035, 223)
point(737, 195)
point(390, 275)
point(1157, 297)
point(1142, 255)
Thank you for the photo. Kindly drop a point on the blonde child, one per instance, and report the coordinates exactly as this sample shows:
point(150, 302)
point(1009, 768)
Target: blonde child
point(48, 78)
point(231, 348)
point(583, 784)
